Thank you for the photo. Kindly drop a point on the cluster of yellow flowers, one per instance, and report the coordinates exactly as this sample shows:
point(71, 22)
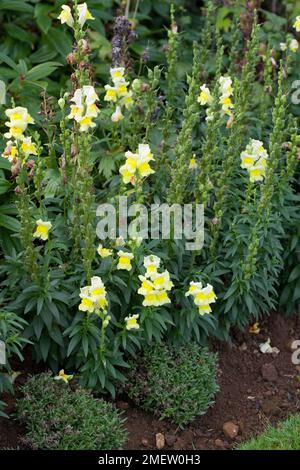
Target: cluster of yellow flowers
point(118, 93)
point(203, 296)
point(82, 12)
point(226, 91)
point(137, 164)
point(93, 297)
point(154, 285)
point(19, 118)
point(94, 300)
point(84, 108)
point(254, 159)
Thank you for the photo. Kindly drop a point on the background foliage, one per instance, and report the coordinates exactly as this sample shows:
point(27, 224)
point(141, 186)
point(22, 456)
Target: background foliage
point(34, 72)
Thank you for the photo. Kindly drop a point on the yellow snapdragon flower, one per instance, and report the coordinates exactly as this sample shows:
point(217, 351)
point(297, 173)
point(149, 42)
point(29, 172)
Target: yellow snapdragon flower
point(226, 103)
point(111, 93)
point(117, 74)
point(203, 296)
point(294, 45)
point(132, 322)
point(10, 152)
point(42, 229)
point(193, 163)
point(64, 377)
point(151, 264)
point(125, 260)
point(104, 252)
point(86, 123)
point(66, 16)
point(28, 147)
point(205, 97)
point(83, 14)
point(226, 89)
point(297, 24)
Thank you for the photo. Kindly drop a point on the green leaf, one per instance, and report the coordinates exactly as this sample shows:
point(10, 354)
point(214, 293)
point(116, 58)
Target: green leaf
point(59, 41)
point(10, 223)
point(295, 274)
point(4, 164)
point(4, 186)
point(7, 60)
point(16, 5)
point(41, 14)
point(18, 33)
point(42, 70)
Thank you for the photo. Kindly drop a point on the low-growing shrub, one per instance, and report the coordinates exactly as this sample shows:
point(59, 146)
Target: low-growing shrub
point(174, 383)
point(59, 418)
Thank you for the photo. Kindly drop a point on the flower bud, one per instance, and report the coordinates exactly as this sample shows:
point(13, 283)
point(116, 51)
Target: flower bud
point(61, 103)
point(136, 85)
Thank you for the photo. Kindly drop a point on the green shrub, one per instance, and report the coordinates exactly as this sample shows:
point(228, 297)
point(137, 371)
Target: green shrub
point(285, 437)
point(59, 418)
point(174, 383)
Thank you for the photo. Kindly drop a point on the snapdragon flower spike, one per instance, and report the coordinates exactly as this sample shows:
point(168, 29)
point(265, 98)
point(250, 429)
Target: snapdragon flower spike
point(19, 118)
point(83, 13)
point(154, 285)
point(118, 93)
point(84, 108)
point(203, 296)
point(226, 91)
point(254, 159)
point(137, 164)
point(93, 297)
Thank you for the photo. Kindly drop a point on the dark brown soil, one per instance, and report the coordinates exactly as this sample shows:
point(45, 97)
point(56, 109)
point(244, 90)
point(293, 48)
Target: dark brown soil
point(245, 397)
